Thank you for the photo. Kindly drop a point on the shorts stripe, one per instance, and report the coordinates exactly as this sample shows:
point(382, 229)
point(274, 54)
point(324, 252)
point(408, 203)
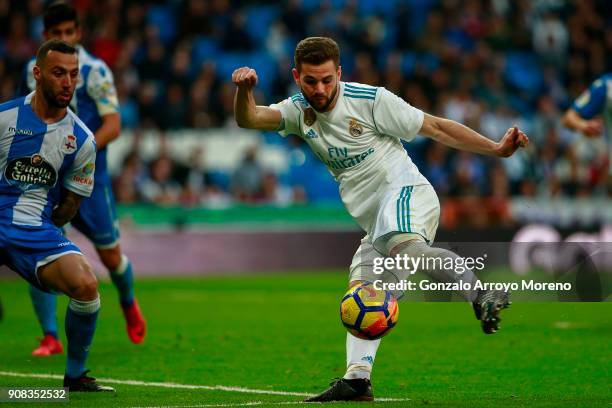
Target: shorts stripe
point(400, 209)
point(407, 205)
point(403, 209)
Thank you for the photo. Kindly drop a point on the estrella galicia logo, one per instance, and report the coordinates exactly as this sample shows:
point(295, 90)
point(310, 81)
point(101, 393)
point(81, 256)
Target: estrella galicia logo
point(30, 172)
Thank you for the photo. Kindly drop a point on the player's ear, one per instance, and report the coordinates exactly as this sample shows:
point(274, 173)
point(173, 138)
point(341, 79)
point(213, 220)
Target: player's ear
point(339, 72)
point(36, 72)
point(296, 76)
point(78, 34)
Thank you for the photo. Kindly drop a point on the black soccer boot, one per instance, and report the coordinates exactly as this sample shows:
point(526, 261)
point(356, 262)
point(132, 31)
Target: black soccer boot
point(342, 389)
point(85, 384)
point(487, 307)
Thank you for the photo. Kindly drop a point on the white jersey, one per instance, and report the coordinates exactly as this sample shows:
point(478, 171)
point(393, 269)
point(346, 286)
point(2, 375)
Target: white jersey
point(359, 142)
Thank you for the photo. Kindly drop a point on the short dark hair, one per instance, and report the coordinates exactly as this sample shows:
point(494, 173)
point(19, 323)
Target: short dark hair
point(316, 51)
point(53, 45)
point(57, 13)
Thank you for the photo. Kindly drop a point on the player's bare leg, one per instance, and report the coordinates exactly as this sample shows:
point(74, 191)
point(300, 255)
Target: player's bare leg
point(120, 270)
point(72, 275)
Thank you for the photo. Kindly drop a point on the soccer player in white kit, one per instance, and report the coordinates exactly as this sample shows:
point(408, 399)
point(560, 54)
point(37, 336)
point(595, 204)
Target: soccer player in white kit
point(355, 129)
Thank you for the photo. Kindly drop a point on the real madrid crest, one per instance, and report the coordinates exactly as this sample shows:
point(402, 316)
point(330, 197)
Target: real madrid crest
point(309, 116)
point(355, 128)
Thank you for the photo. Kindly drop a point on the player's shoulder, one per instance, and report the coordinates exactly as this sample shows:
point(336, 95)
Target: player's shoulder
point(86, 59)
point(92, 64)
point(602, 81)
point(358, 92)
point(298, 98)
point(298, 101)
point(81, 131)
point(12, 104)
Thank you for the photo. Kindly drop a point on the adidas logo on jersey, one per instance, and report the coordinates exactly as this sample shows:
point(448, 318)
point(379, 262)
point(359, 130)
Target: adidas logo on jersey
point(311, 134)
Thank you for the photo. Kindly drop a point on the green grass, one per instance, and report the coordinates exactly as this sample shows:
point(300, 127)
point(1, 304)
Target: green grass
point(282, 332)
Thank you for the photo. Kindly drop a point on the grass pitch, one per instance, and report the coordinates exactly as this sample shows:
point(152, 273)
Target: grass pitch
point(283, 333)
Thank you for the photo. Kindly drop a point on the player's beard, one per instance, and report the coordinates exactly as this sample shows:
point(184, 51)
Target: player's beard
point(51, 96)
point(329, 101)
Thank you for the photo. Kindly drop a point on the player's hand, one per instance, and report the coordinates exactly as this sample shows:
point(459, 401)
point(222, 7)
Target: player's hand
point(592, 128)
point(244, 77)
point(512, 140)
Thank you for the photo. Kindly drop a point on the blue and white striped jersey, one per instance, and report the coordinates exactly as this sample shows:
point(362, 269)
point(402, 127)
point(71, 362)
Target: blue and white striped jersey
point(37, 159)
point(95, 96)
point(597, 100)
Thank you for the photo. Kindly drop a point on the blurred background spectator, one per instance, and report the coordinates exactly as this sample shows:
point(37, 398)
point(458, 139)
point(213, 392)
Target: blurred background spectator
point(488, 64)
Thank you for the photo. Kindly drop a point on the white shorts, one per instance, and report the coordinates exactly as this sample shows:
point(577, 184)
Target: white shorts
point(409, 209)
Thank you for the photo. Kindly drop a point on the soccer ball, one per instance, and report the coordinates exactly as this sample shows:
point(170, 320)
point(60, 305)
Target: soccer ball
point(368, 313)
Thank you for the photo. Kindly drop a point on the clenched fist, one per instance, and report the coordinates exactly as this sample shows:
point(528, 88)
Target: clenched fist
point(244, 77)
point(512, 140)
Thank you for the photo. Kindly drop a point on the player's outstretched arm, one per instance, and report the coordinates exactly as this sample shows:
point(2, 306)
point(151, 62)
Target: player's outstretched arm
point(591, 128)
point(246, 112)
point(66, 209)
point(461, 137)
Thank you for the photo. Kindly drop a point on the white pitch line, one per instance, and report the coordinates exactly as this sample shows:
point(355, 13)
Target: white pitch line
point(165, 384)
point(255, 403)
point(195, 387)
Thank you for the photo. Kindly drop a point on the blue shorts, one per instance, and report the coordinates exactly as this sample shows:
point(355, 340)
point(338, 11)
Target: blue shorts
point(24, 249)
point(97, 216)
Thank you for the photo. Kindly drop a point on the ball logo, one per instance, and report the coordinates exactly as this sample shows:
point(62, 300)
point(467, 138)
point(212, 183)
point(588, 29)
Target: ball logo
point(36, 160)
point(69, 144)
point(355, 128)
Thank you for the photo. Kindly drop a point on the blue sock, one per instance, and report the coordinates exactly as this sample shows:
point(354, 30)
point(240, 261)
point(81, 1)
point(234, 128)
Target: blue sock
point(45, 305)
point(123, 279)
point(81, 318)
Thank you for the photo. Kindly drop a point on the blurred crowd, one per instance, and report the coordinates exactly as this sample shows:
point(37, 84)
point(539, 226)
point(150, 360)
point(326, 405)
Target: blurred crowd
point(489, 64)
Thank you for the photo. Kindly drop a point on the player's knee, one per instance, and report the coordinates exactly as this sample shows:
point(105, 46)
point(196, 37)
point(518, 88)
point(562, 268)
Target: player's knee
point(85, 285)
point(111, 258)
point(399, 242)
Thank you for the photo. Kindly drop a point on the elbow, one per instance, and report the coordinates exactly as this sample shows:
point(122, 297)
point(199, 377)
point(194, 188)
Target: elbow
point(243, 123)
point(565, 120)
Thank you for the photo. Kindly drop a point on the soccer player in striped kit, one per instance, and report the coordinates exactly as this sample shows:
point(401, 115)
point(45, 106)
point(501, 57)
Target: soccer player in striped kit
point(95, 102)
point(47, 162)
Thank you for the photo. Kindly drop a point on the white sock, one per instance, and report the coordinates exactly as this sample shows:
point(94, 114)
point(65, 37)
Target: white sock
point(360, 355)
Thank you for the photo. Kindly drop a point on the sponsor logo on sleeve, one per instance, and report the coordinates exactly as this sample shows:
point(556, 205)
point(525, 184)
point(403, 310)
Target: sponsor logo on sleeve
point(583, 99)
point(84, 175)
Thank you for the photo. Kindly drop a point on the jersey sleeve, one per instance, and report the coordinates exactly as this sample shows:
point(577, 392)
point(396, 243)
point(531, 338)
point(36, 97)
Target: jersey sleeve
point(592, 101)
point(290, 123)
point(101, 88)
point(395, 117)
point(80, 177)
